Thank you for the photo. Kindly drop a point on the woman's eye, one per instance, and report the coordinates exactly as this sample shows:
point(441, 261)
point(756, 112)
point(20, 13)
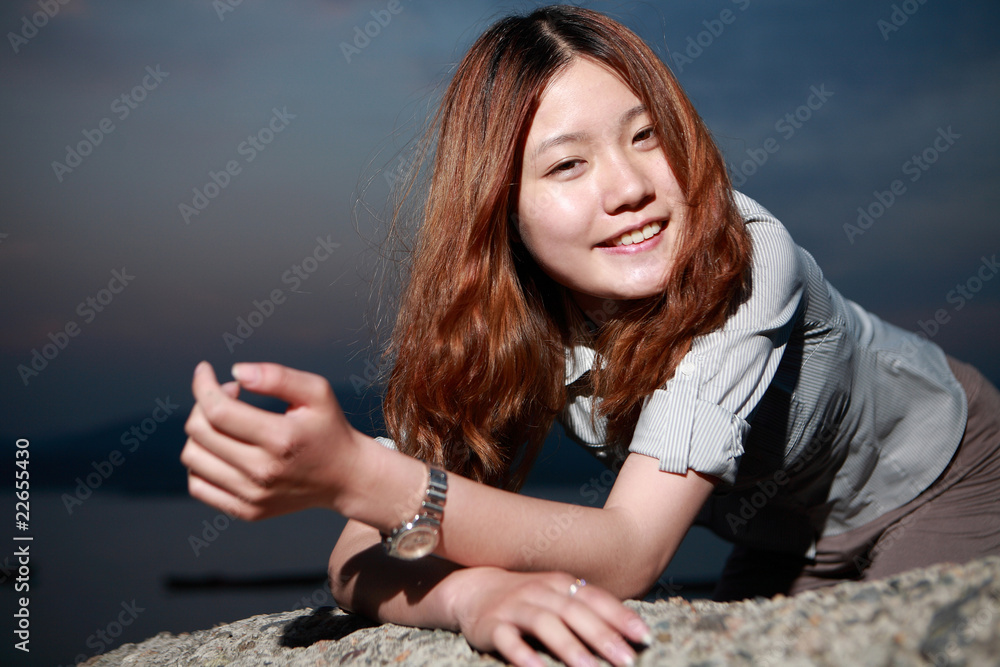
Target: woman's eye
point(645, 134)
point(564, 167)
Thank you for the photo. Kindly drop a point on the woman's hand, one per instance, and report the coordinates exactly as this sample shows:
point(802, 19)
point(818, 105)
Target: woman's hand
point(256, 464)
point(495, 609)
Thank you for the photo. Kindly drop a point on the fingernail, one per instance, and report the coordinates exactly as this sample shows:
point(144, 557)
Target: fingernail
point(639, 629)
point(620, 653)
point(246, 374)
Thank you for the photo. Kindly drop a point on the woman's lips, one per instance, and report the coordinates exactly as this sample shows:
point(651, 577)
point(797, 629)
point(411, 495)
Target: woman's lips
point(650, 233)
point(635, 236)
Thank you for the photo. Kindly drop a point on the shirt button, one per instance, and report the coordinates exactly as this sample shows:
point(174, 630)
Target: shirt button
point(686, 368)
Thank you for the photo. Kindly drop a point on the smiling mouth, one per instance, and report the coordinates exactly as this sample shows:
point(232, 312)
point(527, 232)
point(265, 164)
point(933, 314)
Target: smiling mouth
point(637, 236)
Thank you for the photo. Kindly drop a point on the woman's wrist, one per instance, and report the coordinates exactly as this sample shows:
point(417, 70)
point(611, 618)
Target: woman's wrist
point(454, 596)
point(382, 488)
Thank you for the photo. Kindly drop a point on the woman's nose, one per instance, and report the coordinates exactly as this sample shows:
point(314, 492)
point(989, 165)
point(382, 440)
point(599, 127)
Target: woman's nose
point(626, 186)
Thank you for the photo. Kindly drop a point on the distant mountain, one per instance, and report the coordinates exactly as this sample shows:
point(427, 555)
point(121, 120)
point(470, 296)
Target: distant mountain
point(141, 455)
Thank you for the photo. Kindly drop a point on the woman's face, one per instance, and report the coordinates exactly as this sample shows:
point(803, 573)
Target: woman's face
point(599, 207)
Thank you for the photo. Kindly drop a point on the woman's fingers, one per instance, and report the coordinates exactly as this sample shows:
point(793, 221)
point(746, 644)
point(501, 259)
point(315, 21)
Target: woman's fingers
point(603, 638)
point(275, 463)
point(313, 409)
point(500, 608)
point(567, 622)
point(230, 503)
point(295, 387)
point(251, 460)
point(231, 389)
point(225, 414)
point(565, 634)
point(614, 614)
point(558, 633)
point(223, 474)
point(511, 645)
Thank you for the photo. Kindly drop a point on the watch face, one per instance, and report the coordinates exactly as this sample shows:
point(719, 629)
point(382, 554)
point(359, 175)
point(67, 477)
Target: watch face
point(416, 542)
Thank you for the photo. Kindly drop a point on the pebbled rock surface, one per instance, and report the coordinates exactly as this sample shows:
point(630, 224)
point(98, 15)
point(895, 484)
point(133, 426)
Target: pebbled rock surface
point(944, 615)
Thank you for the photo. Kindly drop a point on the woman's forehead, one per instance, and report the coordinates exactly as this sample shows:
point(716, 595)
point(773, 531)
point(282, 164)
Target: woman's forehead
point(582, 98)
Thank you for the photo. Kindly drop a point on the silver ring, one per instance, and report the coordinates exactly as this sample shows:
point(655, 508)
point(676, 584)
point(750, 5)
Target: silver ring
point(576, 586)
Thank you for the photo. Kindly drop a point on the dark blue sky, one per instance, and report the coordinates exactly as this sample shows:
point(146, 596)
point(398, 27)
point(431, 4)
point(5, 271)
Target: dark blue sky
point(819, 107)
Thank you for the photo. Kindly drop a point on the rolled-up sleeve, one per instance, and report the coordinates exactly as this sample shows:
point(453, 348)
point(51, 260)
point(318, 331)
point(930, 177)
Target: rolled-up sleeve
point(699, 420)
point(386, 442)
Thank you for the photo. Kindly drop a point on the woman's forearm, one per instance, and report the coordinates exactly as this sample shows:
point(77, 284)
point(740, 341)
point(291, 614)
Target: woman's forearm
point(256, 464)
point(363, 579)
point(485, 526)
point(623, 547)
point(492, 607)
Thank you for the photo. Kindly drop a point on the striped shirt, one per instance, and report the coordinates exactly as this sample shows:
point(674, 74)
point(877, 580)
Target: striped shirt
point(816, 415)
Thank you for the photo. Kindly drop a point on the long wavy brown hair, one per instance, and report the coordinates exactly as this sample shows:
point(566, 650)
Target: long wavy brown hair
point(479, 346)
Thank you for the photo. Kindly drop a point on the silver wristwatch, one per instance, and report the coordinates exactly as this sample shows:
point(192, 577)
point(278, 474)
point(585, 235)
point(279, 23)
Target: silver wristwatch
point(419, 536)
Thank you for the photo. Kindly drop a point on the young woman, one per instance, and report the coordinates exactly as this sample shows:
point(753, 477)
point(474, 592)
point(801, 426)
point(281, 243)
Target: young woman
point(731, 384)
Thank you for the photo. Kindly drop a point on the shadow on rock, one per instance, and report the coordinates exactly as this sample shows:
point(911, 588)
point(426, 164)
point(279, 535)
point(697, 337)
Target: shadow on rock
point(322, 625)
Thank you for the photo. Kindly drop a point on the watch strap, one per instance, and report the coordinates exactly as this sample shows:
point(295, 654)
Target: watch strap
point(436, 495)
point(430, 516)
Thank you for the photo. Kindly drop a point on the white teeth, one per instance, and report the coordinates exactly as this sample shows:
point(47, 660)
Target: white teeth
point(638, 236)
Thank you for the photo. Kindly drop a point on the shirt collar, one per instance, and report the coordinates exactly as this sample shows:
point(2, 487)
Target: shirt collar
point(579, 360)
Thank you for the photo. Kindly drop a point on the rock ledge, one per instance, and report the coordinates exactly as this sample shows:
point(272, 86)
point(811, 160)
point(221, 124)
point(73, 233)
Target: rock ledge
point(944, 615)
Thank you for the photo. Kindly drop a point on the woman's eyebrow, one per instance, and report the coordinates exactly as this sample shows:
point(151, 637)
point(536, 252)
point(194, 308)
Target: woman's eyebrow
point(559, 140)
point(632, 113)
point(570, 137)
